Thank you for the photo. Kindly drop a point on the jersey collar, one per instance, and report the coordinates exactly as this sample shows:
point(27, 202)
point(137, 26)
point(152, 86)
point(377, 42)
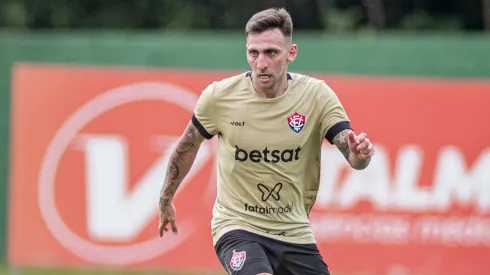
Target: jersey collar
point(287, 74)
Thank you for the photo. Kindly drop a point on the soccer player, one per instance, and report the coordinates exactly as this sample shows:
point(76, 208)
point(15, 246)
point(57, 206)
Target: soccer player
point(270, 125)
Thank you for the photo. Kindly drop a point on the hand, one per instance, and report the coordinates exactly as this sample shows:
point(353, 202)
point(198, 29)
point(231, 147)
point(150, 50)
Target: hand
point(167, 216)
point(360, 145)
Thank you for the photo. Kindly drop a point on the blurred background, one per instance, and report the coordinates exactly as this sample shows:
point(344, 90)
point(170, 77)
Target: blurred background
point(419, 66)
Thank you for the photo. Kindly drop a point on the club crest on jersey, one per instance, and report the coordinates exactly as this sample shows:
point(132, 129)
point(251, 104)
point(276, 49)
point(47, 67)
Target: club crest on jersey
point(237, 260)
point(297, 122)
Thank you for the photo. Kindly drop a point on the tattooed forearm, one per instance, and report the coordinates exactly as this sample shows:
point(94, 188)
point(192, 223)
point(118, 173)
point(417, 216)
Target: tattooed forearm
point(357, 163)
point(180, 162)
point(342, 143)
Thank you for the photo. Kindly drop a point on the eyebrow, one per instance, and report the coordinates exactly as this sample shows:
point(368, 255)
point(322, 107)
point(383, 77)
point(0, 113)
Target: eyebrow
point(264, 50)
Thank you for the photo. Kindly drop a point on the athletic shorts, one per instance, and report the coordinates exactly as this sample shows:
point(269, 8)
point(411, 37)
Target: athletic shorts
point(245, 253)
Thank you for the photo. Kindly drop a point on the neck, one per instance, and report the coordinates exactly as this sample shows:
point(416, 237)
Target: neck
point(275, 91)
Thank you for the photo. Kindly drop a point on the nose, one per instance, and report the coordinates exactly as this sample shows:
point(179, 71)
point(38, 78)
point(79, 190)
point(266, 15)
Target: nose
point(261, 63)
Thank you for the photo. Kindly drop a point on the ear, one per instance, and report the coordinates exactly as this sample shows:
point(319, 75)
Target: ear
point(293, 51)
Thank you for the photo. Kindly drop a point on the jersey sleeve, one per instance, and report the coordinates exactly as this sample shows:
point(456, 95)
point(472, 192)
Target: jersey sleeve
point(334, 118)
point(204, 117)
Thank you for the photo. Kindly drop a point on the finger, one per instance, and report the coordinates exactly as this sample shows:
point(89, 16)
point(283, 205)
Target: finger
point(363, 146)
point(360, 138)
point(352, 137)
point(366, 155)
point(370, 148)
point(366, 146)
point(162, 227)
point(160, 230)
point(174, 227)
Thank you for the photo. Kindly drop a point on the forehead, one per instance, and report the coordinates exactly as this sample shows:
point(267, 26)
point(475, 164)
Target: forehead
point(267, 39)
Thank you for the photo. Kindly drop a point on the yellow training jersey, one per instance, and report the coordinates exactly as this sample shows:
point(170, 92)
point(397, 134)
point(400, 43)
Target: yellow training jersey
point(269, 153)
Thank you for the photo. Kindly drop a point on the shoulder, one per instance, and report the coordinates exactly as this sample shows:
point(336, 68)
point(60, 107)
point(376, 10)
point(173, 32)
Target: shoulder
point(224, 86)
point(305, 79)
point(316, 86)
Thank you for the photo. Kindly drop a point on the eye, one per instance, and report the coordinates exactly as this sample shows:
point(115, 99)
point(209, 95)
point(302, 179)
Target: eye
point(271, 52)
point(253, 53)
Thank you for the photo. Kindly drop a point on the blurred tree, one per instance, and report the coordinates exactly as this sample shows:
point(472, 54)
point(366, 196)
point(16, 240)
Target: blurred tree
point(340, 15)
point(375, 13)
point(486, 14)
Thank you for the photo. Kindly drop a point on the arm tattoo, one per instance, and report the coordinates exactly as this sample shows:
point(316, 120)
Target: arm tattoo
point(341, 140)
point(342, 143)
point(180, 162)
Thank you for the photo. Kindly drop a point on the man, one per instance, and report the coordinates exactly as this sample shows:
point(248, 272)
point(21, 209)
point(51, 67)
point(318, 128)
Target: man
point(270, 125)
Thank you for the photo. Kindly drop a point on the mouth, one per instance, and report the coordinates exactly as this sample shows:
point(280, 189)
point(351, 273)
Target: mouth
point(264, 77)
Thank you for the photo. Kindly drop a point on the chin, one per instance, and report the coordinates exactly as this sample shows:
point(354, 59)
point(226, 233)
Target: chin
point(267, 85)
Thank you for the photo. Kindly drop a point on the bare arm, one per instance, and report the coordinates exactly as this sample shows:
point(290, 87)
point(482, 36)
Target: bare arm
point(180, 163)
point(341, 140)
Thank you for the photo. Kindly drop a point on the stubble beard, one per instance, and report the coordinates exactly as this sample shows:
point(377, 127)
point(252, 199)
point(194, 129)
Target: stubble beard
point(266, 88)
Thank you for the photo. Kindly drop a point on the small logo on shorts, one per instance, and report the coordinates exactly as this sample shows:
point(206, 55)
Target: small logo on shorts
point(297, 122)
point(237, 260)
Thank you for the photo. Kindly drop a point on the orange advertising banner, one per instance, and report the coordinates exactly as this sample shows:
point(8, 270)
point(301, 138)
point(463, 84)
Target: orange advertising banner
point(90, 146)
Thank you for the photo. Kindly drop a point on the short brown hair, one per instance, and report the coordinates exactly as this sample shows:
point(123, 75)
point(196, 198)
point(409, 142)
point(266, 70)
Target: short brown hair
point(270, 19)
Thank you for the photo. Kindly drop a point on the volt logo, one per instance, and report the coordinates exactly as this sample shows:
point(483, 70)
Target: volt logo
point(267, 193)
